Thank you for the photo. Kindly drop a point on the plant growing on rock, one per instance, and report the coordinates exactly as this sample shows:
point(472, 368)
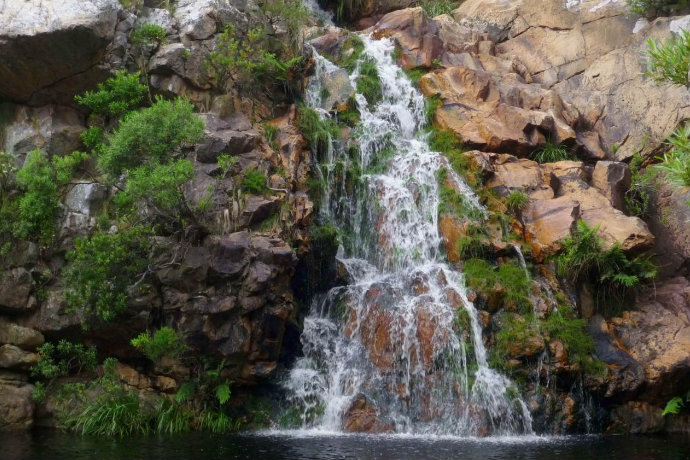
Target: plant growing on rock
point(653, 8)
point(638, 198)
point(164, 342)
point(318, 131)
point(255, 181)
point(676, 163)
point(368, 81)
point(516, 203)
point(510, 281)
point(676, 404)
point(434, 8)
point(116, 96)
point(609, 272)
point(551, 153)
point(669, 61)
point(104, 268)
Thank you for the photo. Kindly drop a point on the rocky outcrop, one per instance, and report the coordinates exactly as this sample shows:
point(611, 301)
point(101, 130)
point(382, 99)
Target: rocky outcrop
point(16, 405)
point(52, 49)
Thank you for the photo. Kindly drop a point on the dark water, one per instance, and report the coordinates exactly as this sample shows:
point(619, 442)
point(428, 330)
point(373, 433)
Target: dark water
point(59, 446)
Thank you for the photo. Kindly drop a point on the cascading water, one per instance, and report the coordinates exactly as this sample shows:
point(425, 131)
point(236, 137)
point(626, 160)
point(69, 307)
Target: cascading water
point(401, 338)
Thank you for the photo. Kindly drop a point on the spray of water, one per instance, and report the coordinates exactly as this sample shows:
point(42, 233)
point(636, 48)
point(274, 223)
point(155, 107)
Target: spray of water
point(392, 334)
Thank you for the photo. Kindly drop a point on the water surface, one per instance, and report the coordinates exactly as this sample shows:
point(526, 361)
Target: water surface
point(301, 446)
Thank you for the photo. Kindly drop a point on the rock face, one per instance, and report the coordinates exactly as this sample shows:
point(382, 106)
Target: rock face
point(16, 405)
point(70, 37)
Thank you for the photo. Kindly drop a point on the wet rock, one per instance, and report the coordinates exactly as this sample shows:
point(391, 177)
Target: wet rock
point(336, 88)
point(15, 287)
point(68, 37)
point(636, 417)
point(362, 417)
point(23, 337)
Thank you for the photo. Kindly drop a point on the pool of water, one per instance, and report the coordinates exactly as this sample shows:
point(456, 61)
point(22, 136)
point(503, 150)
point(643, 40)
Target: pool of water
point(298, 445)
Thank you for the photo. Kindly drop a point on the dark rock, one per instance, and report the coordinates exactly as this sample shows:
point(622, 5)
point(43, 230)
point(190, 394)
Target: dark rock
point(15, 287)
point(228, 254)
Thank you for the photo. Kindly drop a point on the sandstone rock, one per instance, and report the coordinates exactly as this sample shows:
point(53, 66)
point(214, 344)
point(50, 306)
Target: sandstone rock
point(549, 221)
point(13, 357)
point(67, 37)
point(16, 405)
point(232, 135)
point(15, 287)
point(670, 223)
point(612, 179)
point(23, 337)
point(131, 377)
point(414, 33)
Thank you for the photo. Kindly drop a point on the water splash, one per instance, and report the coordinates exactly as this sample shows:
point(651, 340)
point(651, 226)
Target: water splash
point(401, 339)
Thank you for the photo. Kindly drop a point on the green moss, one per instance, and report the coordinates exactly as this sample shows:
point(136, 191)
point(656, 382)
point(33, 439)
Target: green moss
point(318, 132)
point(368, 82)
point(454, 203)
point(416, 74)
point(509, 279)
point(579, 345)
point(515, 332)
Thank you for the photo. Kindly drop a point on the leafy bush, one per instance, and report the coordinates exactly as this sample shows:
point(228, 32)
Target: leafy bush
point(368, 81)
point(65, 358)
point(551, 153)
point(116, 96)
point(638, 198)
point(164, 342)
point(670, 61)
point(676, 163)
point(148, 34)
point(254, 182)
point(151, 136)
point(103, 267)
point(675, 404)
point(40, 180)
point(160, 187)
point(653, 8)
point(609, 272)
point(226, 163)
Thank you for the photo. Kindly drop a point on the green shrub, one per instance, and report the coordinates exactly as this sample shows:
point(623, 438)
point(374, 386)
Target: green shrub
point(676, 404)
point(40, 180)
point(161, 187)
point(63, 358)
point(116, 96)
point(164, 342)
point(551, 153)
point(609, 272)
point(148, 34)
point(670, 61)
point(653, 8)
point(226, 163)
point(435, 8)
point(515, 333)
point(676, 163)
point(368, 82)
point(151, 136)
point(254, 181)
point(638, 198)
point(103, 267)
point(573, 334)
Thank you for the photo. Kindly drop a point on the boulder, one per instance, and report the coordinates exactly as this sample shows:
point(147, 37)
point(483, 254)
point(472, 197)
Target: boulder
point(15, 287)
point(363, 417)
point(16, 404)
point(414, 33)
point(23, 337)
point(51, 49)
point(13, 357)
point(612, 179)
point(228, 254)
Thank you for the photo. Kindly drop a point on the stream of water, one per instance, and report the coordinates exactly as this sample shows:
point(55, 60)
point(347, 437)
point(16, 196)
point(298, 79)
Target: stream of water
point(389, 342)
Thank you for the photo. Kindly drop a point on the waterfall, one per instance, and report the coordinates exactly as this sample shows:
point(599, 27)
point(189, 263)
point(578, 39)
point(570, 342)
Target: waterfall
point(401, 339)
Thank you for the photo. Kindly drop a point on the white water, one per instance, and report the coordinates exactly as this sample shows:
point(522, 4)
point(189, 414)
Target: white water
point(391, 336)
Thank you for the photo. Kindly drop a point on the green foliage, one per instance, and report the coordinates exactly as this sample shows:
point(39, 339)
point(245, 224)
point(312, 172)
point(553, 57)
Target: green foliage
point(348, 10)
point(676, 163)
point(474, 243)
point(675, 404)
point(151, 136)
point(148, 34)
point(638, 198)
point(247, 61)
point(670, 61)
point(351, 51)
point(63, 358)
point(431, 106)
point(8, 170)
point(368, 82)
point(116, 96)
point(38, 206)
point(172, 418)
point(515, 333)
point(551, 153)
point(113, 413)
point(416, 74)
point(254, 181)
point(318, 132)
point(435, 8)
point(103, 266)
point(161, 187)
point(454, 203)
point(653, 8)
point(510, 280)
point(517, 201)
point(164, 342)
point(226, 163)
point(271, 135)
point(215, 421)
point(293, 14)
point(609, 272)
point(573, 334)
